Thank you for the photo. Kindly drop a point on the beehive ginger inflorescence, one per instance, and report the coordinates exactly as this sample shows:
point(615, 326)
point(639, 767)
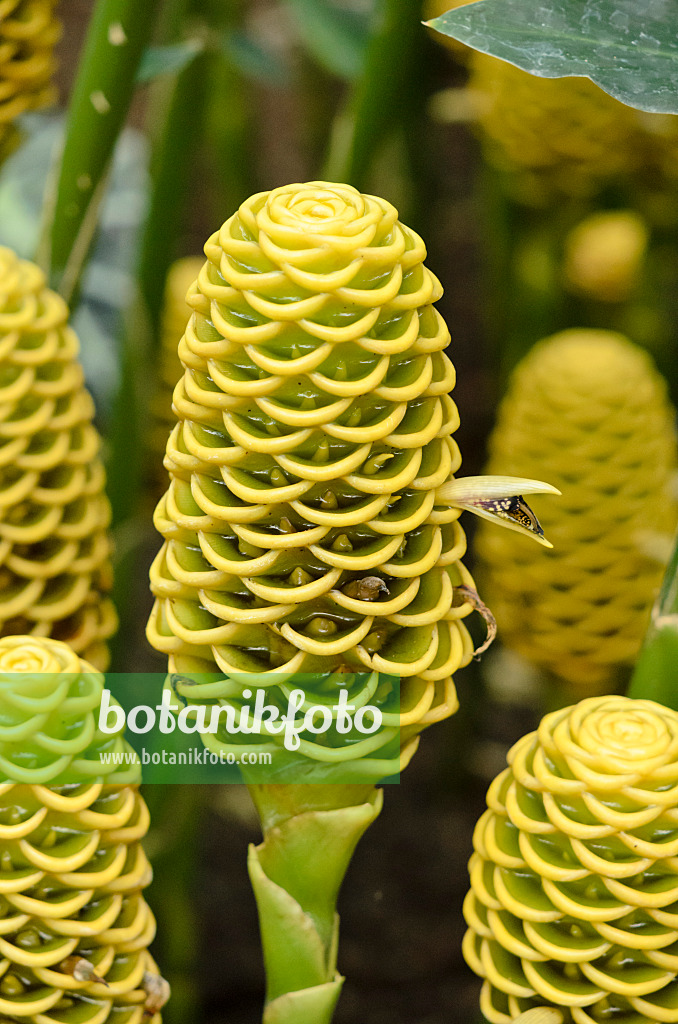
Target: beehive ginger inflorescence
point(303, 532)
point(574, 884)
point(55, 570)
point(29, 31)
point(74, 926)
point(588, 410)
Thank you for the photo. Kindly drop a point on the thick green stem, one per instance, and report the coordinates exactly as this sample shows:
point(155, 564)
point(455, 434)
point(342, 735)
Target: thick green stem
point(310, 833)
point(383, 95)
point(655, 674)
point(173, 158)
point(118, 33)
point(179, 822)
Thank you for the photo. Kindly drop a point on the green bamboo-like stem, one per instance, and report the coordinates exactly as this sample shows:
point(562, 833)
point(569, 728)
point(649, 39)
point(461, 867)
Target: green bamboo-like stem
point(310, 833)
point(172, 162)
point(231, 136)
point(178, 814)
point(383, 94)
point(654, 677)
point(124, 471)
point(118, 33)
point(230, 113)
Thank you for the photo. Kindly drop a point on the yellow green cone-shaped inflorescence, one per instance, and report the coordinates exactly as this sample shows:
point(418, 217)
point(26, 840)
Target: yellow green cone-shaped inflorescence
point(564, 134)
point(587, 410)
point(54, 551)
point(574, 881)
point(175, 312)
point(301, 532)
point(74, 927)
point(28, 33)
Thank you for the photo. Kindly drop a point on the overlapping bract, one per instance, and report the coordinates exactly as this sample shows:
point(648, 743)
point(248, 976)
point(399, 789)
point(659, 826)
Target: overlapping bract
point(54, 550)
point(587, 410)
point(314, 426)
point(28, 33)
point(574, 879)
point(71, 864)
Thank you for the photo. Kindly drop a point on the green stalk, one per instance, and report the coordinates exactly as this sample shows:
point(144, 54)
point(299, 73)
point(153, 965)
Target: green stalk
point(654, 677)
point(173, 158)
point(179, 822)
point(383, 95)
point(117, 36)
point(310, 833)
point(231, 135)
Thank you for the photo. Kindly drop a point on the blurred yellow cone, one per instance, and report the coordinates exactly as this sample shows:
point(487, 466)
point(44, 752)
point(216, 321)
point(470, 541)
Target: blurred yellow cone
point(176, 311)
point(561, 134)
point(29, 31)
point(55, 569)
point(587, 411)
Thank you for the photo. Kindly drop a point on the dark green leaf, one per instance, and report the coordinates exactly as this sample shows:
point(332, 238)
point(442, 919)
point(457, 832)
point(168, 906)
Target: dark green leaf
point(628, 48)
point(167, 60)
point(253, 61)
point(654, 677)
point(336, 36)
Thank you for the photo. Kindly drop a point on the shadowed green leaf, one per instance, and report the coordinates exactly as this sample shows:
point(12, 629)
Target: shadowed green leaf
point(336, 36)
point(629, 49)
point(255, 61)
point(655, 676)
point(167, 60)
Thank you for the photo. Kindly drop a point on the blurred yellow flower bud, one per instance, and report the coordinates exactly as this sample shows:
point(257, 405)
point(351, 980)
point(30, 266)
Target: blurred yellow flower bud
point(604, 254)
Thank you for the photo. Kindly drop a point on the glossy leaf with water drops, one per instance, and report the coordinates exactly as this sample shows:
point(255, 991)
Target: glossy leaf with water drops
point(630, 50)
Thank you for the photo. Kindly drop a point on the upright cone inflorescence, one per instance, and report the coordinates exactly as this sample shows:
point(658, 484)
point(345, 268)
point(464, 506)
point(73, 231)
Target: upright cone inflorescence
point(301, 528)
point(74, 926)
point(574, 883)
point(311, 536)
point(54, 551)
point(28, 33)
point(588, 410)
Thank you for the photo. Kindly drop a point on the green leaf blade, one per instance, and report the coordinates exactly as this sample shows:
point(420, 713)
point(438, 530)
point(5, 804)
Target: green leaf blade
point(167, 60)
point(629, 49)
point(336, 37)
